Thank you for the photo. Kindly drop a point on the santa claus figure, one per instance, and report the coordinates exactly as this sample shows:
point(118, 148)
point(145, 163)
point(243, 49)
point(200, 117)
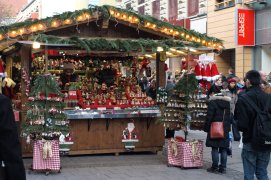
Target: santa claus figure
point(129, 132)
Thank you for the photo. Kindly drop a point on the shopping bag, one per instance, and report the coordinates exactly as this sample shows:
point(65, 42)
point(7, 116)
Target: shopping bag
point(174, 152)
point(192, 154)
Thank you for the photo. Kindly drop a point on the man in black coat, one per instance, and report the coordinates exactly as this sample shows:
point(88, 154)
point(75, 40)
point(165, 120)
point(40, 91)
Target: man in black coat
point(10, 148)
point(254, 161)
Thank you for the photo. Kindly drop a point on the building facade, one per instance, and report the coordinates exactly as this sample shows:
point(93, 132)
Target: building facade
point(167, 9)
point(222, 23)
point(39, 9)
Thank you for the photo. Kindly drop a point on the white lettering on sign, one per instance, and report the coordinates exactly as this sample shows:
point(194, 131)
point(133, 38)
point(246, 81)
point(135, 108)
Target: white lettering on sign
point(241, 28)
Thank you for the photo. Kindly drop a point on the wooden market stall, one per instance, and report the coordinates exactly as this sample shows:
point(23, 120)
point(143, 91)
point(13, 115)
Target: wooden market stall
point(101, 33)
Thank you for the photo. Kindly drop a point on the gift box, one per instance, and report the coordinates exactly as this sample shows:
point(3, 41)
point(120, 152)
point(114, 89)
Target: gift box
point(46, 155)
point(191, 154)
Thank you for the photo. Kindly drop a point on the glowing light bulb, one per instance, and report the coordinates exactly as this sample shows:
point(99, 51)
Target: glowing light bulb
point(130, 18)
point(148, 24)
point(87, 15)
point(171, 31)
point(177, 33)
point(112, 12)
point(124, 16)
point(154, 25)
point(183, 34)
point(118, 14)
point(21, 31)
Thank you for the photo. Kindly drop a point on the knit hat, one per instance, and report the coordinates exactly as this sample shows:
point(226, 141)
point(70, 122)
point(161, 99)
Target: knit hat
point(231, 80)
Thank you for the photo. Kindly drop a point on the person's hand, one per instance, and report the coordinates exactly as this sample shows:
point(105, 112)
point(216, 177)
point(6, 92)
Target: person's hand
point(67, 84)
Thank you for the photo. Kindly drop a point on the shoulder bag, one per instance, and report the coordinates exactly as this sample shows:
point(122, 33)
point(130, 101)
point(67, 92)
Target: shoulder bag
point(217, 129)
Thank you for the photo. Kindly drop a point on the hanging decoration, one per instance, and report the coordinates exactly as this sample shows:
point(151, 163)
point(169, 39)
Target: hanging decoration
point(26, 80)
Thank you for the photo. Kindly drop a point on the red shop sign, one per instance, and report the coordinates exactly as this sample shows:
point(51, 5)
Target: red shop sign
point(245, 30)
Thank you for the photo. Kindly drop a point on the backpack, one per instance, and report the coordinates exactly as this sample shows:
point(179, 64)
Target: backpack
point(261, 133)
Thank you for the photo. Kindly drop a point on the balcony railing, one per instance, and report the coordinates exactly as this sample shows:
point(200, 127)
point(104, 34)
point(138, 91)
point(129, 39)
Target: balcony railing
point(249, 1)
point(224, 4)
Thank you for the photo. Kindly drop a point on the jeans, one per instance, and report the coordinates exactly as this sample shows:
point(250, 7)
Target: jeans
point(223, 157)
point(255, 162)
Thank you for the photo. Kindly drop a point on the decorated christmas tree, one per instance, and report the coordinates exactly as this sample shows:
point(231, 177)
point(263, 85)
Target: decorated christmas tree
point(176, 114)
point(45, 117)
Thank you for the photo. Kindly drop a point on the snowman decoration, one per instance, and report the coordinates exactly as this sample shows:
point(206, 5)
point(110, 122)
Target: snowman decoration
point(129, 136)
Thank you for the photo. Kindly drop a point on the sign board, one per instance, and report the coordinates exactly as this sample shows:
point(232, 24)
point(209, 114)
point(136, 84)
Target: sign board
point(163, 56)
point(245, 27)
point(203, 57)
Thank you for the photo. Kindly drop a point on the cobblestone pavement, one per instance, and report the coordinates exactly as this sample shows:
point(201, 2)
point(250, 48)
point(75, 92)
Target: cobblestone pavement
point(138, 167)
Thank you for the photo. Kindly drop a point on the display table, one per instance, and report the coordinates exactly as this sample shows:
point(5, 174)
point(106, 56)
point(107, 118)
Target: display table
point(100, 131)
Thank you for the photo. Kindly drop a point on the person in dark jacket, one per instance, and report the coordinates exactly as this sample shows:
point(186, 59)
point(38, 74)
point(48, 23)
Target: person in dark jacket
point(67, 76)
point(10, 148)
point(218, 109)
point(254, 161)
point(216, 87)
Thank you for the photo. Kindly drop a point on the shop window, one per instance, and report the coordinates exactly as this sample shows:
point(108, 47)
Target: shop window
point(222, 4)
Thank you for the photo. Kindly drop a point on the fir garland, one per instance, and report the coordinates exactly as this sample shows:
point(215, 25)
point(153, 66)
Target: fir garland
point(118, 44)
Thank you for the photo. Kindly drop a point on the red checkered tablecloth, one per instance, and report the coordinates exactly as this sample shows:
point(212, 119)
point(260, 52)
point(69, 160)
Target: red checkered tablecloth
point(172, 159)
point(192, 154)
point(50, 163)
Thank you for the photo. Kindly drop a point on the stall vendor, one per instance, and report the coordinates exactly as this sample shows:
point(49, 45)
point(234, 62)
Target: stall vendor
point(67, 76)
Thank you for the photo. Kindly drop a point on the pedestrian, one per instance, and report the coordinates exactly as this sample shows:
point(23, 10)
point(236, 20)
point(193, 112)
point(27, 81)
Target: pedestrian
point(151, 90)
point(218, 111)
point(231, 74)
point(264, 83)
point(10, 153)
point(169, 86)
point(215, 88)
point(255, 161)
point(240, 85)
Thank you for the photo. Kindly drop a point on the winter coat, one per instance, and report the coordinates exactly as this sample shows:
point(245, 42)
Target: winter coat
point(233, 95)
point(216, 107)
point(245, 114)
point(10, 151)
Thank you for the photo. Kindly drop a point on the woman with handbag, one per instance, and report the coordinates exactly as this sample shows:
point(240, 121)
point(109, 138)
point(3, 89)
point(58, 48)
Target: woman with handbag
point(11, 163)
point(217, 126)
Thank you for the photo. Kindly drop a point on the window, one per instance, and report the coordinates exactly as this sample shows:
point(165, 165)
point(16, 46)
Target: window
point(128, 6)
point(222, 4)
point(141, 10)
point(172, 10)
point(141, 2)
point(156, 9)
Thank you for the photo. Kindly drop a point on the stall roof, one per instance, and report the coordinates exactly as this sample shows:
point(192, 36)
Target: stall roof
point(27, 30)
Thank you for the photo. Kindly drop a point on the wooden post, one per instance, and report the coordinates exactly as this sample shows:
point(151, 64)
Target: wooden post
point(25, 53)
point(46, 59)
point(160, 71)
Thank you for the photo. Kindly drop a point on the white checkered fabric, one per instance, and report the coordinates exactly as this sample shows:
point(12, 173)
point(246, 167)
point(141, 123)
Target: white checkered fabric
point(52, 163)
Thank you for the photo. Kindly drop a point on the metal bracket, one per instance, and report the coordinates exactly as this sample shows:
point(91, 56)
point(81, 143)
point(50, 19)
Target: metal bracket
point(89, 124)
point(107, 124)
point(148, 123)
